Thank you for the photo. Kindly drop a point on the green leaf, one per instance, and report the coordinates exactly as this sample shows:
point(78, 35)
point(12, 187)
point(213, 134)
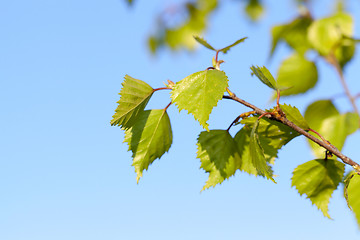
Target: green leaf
point(181, 36)
point(293, 33)
point(297, 73)
point(242, 140)
point(204, 43)
point(254, 10)
point(323, 117)
point(135, 94)
point(318, 179)
point(148, 139)
point(257, 154)
point(275, 132)
point(264, 76)
point(353, 192)
point(345, 52)
point(318, 111)
point(199, 93)
point(294, 115)
point(218, 155)
point(325, 34)
point(226, 49)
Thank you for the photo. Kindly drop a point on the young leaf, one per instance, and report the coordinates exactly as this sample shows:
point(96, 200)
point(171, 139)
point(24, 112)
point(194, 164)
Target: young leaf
point(254, 10)
point(226, 49)
point(293, 33)
point(325, 34)
point(265, 76)
point(318, 179)
point(148, 139)
point(294, 115)
point(323, 117)
point(199, 93)
point(353, 192)
point(204, 43)
point(135, 94)
point(218, 155)
point(297, 73)
point(257, 154)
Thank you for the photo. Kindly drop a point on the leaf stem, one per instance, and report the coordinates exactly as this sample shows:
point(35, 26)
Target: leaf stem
point(322, 138)
point(162, 88)
point(325, 144)
point(167, 106)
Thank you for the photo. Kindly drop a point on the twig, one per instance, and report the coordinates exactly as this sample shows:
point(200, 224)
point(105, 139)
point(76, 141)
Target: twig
point(285, 121)
point(333, 61)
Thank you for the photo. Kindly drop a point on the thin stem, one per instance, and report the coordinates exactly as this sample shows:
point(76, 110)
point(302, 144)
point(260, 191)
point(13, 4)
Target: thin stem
point(322, 138)
point(333, 61)
point(233, 122)
point(167, 106)
point(162, 88)
point(285, 121)
point(216, 55)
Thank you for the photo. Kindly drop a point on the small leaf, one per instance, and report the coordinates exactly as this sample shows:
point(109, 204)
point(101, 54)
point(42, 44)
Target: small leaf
point(254, 10)
point(325, 34)
point(353, 191)
point(318, 179)
point(323, 117)
point(218, 155)
point(297, 73)
point(257, 154)
point(294, 115)
point(204, 43)
point(264, 76)
point(148, 139)
point(135, 94)
point(226, 49)
point(293, 33)
point(199, 93)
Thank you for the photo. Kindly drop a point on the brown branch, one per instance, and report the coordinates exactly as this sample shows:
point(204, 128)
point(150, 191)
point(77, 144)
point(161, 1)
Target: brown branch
point(285, 121)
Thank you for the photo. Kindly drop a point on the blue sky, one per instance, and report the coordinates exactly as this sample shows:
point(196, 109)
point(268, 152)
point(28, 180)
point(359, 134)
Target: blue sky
point(64, 172)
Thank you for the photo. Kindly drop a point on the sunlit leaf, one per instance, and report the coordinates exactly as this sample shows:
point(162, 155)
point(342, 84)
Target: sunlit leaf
point(148, 139)
point(218, 155)
point(199, 93)
point(318, 179)
point(226, 49)
point(293, 33)
point(297, 73)
point(204, 43)
point(323, 117)
point(254, 10)
point(294, 115)
point(325, 33)
point(353, 192)
point(135, 94)
point(257, 154)
point(264, 75)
